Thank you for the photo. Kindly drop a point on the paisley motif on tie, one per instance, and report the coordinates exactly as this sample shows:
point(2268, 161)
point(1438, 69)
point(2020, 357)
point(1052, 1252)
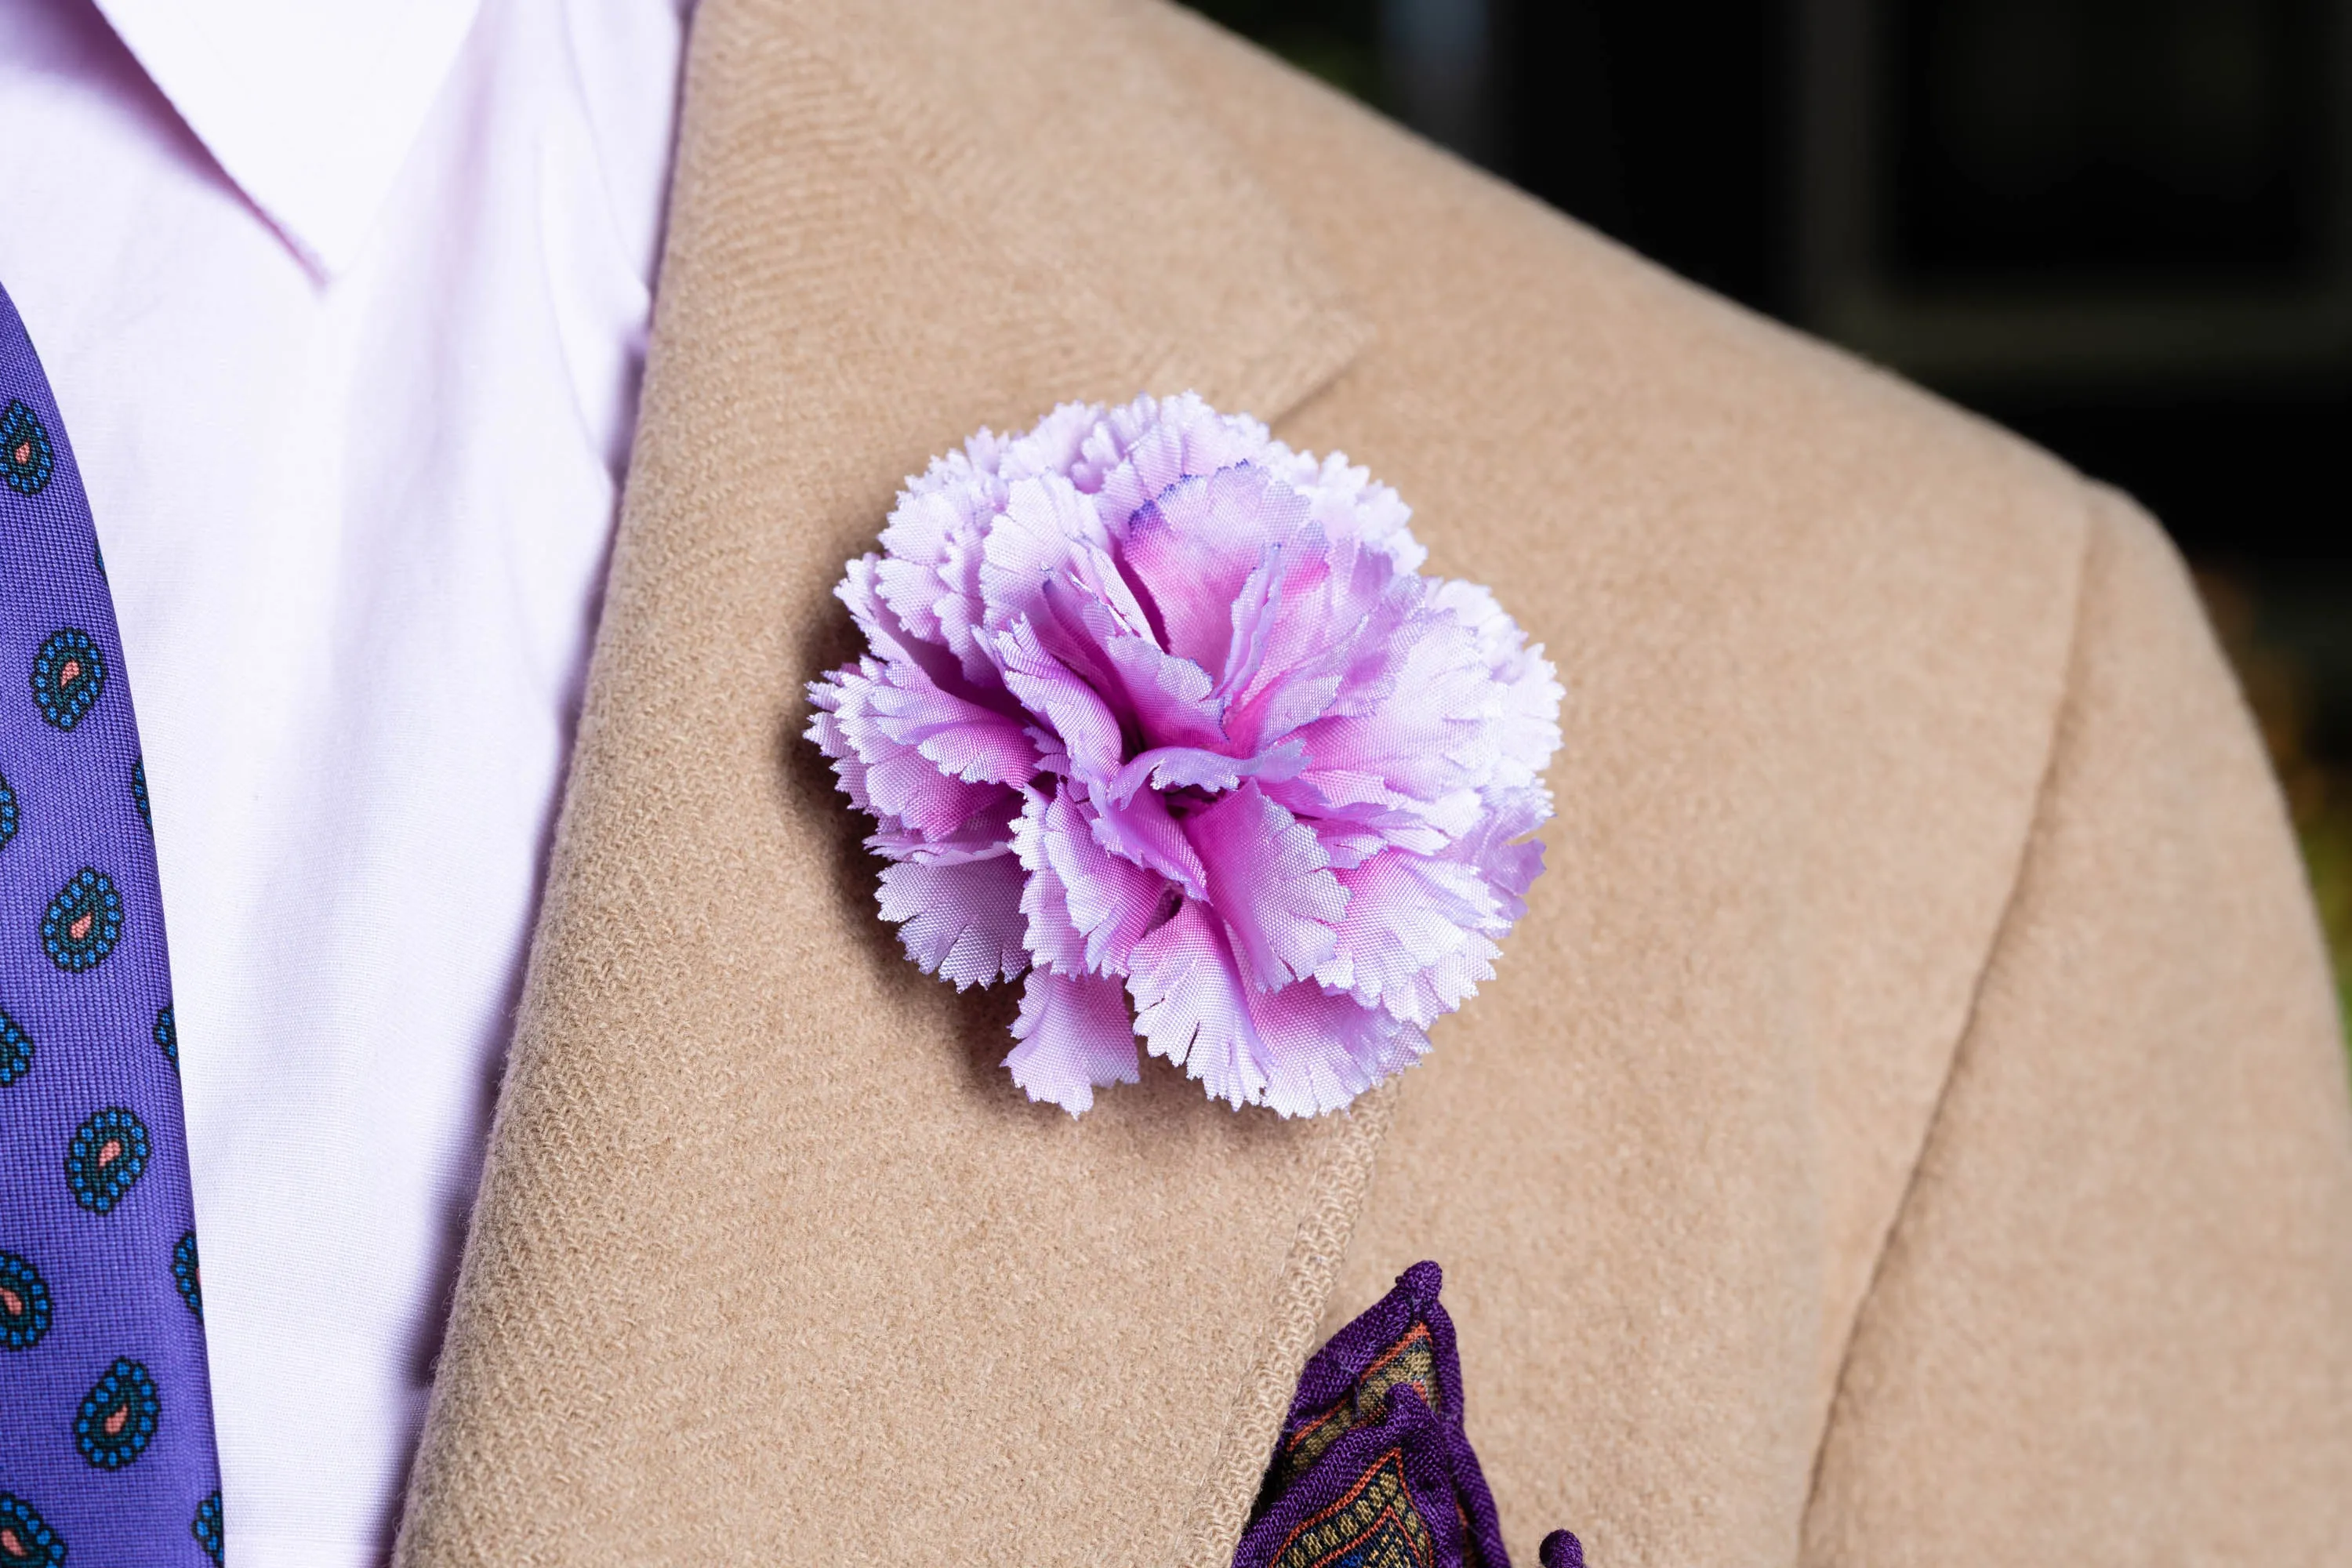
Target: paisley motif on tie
point(24, 1304)
point(108, 1155)
point(118, 1416)
point(68, 676)
point(84, 921)
point(16, 1051)
point(26, 1537)
point(27, 459)
point(185, 1276)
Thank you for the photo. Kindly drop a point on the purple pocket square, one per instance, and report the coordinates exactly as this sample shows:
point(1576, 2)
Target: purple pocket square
point(1374, 1468)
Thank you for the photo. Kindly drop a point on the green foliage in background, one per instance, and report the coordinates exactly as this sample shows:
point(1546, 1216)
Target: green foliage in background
point(2327, 850)
point(1337, 40)
point(2287, 636)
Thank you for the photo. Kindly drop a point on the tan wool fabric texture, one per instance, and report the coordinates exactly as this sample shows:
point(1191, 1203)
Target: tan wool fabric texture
point(1908, 1128)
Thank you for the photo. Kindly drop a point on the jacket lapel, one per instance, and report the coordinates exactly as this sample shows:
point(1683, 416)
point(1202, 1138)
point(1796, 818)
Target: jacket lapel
point(771, 1261)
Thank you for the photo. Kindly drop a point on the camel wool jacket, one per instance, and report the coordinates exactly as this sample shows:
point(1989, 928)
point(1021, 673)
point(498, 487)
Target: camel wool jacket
point(1909, 1127)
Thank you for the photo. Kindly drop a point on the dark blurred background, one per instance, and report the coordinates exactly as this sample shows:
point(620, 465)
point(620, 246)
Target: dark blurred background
point(2123, 227)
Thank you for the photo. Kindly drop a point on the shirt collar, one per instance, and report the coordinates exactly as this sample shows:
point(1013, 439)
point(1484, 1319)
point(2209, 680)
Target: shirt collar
point(310, 106)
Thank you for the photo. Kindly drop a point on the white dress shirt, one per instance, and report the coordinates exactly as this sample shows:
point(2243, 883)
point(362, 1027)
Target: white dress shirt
point(343, 302)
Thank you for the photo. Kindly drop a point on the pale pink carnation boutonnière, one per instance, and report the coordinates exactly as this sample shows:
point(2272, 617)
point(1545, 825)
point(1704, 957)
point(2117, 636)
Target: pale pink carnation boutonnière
point(1162, 712)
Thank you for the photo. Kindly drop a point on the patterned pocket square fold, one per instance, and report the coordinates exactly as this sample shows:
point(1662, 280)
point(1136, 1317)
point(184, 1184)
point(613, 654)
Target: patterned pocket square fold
point(1374, 1468)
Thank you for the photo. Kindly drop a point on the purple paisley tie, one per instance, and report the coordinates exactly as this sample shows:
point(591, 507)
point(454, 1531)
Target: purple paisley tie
point(106, 1421)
